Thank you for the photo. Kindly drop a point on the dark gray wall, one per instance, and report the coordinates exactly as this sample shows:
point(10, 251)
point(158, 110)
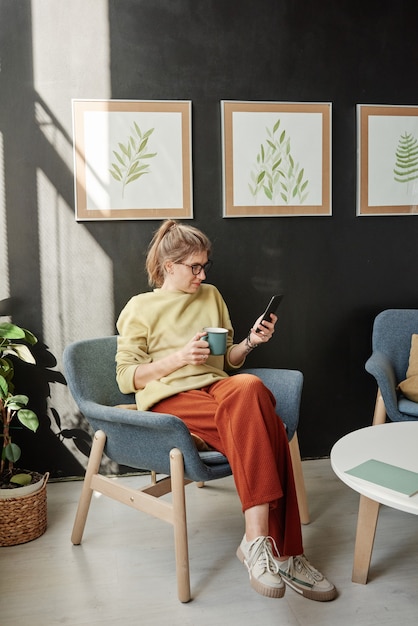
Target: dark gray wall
point(337, 272)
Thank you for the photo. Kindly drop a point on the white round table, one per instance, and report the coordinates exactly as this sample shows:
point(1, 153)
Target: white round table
point(395, 443)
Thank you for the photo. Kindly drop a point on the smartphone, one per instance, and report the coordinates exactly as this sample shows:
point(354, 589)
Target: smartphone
point(272, 307)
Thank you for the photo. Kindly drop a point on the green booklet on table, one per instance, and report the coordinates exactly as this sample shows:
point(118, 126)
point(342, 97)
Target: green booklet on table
point(387, 475)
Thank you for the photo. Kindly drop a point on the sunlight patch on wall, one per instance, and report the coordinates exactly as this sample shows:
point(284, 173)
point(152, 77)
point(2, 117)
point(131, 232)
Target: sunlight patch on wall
point(54, 133)
point(76, 291)
point(71, 59)
point(76, 274)
point(4, 266)
point(71, 56)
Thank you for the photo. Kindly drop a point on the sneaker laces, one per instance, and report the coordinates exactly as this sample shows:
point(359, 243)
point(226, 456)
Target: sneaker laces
point(301, 565)
point(261, 550)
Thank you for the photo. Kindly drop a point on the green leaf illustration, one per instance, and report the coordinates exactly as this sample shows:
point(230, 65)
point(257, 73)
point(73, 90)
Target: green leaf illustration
point(129, 162)
point(276, 174)
point(406, 167)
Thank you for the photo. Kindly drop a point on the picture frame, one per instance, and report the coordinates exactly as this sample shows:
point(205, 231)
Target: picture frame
point(132, 159)
point(387, 160)
point(276, 159)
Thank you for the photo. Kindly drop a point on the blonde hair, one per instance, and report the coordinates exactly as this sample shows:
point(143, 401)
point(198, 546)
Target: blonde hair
point(173, 242)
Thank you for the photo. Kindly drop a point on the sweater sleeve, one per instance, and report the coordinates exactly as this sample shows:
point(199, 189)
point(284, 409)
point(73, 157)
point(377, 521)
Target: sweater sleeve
point(132, 347)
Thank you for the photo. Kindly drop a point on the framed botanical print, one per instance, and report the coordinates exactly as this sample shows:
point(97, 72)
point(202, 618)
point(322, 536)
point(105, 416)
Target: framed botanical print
point(132, 159)
point(276, 158)
point(387, 160)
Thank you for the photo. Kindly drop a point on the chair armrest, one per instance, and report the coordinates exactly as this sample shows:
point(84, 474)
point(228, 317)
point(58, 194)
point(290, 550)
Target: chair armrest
point(144, 439)
point(379, 366)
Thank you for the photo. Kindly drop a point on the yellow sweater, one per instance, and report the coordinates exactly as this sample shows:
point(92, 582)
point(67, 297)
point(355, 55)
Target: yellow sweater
point(157, 323)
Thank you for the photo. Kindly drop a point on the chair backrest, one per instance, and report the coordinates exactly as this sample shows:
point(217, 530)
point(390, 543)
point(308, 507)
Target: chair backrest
point(392, 332)
point(91, 372)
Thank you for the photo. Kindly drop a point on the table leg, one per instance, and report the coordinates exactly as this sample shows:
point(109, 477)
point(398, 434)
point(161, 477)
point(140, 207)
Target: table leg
point(366, 530)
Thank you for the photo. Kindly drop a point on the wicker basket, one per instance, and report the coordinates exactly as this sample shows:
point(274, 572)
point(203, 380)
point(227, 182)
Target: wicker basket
point(24, 518)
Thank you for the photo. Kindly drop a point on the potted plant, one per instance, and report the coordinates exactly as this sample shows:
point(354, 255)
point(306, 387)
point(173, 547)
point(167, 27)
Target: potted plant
point(20, 505)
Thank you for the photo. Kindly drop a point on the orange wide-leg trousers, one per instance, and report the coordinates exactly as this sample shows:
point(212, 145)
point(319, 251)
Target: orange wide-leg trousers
point(237, 417)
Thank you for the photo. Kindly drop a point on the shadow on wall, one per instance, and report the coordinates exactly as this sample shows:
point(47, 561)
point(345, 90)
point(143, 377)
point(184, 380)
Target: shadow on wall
point(49, 449)
point(45, 450)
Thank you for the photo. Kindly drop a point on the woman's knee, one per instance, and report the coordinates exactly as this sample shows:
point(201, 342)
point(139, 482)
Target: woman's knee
point(251, 381)
point(251, 386)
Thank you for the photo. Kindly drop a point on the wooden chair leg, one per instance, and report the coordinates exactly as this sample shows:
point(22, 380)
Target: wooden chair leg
point(366, 529)
point(379, 416)
point(87, 491)
point(299, 480)
point(180, 525)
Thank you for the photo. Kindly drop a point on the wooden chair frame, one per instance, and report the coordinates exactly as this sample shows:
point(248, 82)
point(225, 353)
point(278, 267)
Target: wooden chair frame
point(147, 500)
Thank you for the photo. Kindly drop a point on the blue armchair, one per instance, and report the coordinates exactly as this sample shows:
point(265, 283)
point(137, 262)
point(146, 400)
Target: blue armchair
point(388, 363)
point(156, 442)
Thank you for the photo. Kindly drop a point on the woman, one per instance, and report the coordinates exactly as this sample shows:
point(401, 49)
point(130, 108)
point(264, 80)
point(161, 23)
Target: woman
point(163, 357)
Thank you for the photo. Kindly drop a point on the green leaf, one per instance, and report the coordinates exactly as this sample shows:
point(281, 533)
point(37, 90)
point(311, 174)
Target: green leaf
point(142, 146)
point(4, 388)
point(276, 126)
point(5, 364)
point(12, 452)
point(284, 197)
point(268, 192)
point(21, 479)
point(260, 177)
point(138, 130)
point(11, 331)
point(133, 167)
point(29, 419)
point(119, 158)
point(300, 176)
point(135, 176)
point(30, 337)
point(17, 402)
point(124, 150)
point(115, 176)
point(148, 133)
point(22, 352)
point(282, 136)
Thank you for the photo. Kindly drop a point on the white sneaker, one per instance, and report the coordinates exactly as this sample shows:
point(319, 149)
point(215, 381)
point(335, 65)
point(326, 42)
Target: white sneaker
point(263, 569)
point(299, 574)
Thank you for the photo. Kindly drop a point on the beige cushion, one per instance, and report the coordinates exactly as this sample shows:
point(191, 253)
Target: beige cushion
point(409, 387)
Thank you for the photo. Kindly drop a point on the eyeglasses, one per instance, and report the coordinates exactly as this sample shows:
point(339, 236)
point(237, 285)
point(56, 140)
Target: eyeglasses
point(197, 267)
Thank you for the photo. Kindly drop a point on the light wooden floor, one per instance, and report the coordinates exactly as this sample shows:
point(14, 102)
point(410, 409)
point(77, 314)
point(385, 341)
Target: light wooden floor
point(123, 573)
